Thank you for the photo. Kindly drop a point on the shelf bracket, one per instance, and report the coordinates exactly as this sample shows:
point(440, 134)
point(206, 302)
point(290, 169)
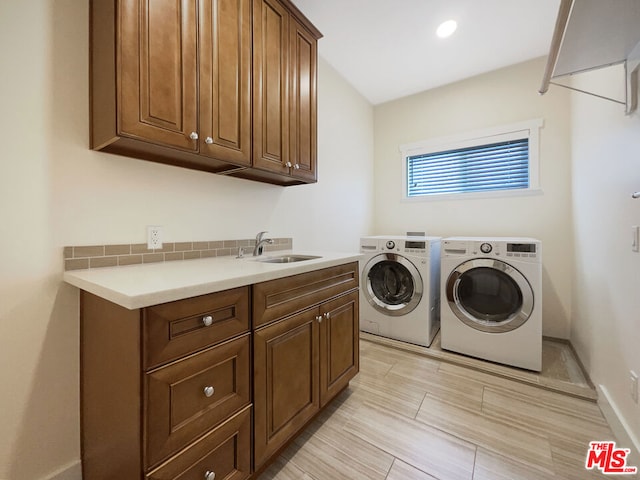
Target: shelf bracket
point(588, 93)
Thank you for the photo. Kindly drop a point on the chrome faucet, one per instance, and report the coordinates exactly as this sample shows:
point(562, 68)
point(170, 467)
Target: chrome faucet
point(260, 241)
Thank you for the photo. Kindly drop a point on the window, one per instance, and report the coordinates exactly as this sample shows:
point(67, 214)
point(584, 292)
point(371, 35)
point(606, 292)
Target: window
point(501, 161)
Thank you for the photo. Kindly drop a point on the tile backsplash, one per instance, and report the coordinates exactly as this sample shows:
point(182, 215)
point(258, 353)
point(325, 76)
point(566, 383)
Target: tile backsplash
point(98, 256)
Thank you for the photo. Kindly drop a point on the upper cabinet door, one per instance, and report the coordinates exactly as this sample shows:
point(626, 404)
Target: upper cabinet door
point(158, 79)
point(270, 86)
point(225, 79)
point(303, 103)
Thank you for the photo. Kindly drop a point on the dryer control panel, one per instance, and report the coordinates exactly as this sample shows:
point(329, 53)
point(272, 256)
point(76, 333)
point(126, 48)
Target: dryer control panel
point(512, 248)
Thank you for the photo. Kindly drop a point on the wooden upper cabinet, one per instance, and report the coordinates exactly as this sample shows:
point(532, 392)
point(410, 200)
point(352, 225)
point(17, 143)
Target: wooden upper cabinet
point(225, 79)
point(157, 48)
point(225, 86)
point(285, 86)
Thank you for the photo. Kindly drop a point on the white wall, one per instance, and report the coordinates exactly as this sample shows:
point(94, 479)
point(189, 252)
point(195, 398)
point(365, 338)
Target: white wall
point(501, 97)
point(54, 192)
point(605, 327)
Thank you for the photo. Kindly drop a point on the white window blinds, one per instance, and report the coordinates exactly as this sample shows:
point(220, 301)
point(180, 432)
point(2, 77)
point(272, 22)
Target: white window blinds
point(492, 167)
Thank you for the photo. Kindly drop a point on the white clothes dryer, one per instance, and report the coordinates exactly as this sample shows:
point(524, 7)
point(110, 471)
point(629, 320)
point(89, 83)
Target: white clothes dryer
point(491, 299)
point(400, 287)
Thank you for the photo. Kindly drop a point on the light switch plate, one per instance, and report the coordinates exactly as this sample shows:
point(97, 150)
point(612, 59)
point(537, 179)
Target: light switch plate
point(635, 238)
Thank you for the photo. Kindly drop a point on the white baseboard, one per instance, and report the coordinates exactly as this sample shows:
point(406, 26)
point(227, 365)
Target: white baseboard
point(624, 435)
point(73, 471)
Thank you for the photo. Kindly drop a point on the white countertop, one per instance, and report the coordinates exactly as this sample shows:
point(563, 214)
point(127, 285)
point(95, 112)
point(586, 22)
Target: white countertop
point(138, 286)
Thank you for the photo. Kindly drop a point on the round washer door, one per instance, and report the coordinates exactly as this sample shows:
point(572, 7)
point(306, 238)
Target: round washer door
point(393, 284)
point(489, 295)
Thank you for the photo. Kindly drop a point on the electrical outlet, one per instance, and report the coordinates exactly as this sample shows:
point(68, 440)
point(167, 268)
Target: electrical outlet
point(154, 237)
point(633, 385)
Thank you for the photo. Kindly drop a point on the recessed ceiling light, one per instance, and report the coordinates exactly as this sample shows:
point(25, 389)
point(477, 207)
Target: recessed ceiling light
point(447, 28)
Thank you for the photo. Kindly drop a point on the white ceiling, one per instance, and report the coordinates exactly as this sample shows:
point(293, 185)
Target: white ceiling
point(388, 48)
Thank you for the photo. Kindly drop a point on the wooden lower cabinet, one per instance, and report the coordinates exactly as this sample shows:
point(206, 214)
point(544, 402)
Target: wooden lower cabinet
point(303, 360)
point(166, 390)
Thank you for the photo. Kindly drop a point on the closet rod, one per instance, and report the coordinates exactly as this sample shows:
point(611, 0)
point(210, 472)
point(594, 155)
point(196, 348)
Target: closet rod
point(556, 42)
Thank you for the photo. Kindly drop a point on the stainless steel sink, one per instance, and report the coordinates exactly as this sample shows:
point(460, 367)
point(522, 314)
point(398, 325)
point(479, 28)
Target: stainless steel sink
point(287, 258)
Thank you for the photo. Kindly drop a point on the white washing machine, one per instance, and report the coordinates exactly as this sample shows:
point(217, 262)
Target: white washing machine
point(400, 287)
point(491, 300)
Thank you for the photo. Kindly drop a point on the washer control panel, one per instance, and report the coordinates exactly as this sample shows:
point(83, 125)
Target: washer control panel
point(400, 245)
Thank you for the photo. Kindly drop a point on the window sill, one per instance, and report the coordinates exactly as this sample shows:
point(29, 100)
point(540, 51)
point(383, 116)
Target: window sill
point(475, 195)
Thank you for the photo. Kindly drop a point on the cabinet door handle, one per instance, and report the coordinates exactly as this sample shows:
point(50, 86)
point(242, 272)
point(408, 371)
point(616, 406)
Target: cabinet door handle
point(297, 166)
point(208, 140)
point(327, 315)
point(193, 136)
point(319, 318)
point(209, 391)
point(288, 165)
point(207, 320)
point(209, 475)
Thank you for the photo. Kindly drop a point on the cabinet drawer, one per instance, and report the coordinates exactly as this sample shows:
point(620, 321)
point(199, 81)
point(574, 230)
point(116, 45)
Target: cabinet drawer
point(187, 398)
point(175, 329)
point(278, 298)
point(225, 451)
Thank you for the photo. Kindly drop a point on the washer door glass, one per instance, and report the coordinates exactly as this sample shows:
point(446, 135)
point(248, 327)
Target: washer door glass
point(489, 295)
point(394, 285)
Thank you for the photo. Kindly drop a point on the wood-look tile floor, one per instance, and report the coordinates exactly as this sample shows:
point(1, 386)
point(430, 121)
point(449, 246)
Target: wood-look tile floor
point(406, 417)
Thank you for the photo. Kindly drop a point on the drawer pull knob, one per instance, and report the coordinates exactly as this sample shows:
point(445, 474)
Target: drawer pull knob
point(208, 391)
point(207, 320)
point(193, 136)
point(210, 475)
point(208, 140)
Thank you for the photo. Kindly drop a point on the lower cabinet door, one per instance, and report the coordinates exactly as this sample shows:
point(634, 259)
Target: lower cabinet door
point(285, 380)
point(224, 453)
point(339, 345)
